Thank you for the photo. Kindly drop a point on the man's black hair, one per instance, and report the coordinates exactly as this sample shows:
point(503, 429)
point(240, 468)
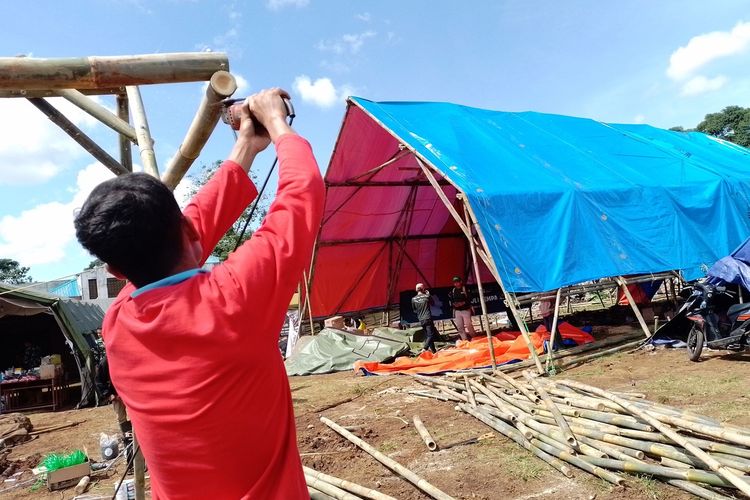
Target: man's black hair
point(133, 223)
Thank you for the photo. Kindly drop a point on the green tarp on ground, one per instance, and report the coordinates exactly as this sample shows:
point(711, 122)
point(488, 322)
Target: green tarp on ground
point(336, 350)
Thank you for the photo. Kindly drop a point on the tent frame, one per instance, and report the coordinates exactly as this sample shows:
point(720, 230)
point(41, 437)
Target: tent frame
point(76, 79)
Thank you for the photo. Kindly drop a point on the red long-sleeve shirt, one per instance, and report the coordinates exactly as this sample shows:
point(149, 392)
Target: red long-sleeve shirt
point(197, 362)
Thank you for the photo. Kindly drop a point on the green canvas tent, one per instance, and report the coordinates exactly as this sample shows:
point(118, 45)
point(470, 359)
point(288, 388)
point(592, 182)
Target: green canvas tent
point(57, 325)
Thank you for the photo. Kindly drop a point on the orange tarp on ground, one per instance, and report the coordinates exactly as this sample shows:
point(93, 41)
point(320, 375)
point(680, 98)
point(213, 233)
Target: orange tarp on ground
point(508, 346)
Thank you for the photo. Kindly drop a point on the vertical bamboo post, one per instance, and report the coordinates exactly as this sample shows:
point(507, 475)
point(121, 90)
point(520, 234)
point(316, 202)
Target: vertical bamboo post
point(624, 285)
point(126, 155)
point(139, 470)
point(308, 302)
point(145, 142)
point(553, 334)
point(478, 277)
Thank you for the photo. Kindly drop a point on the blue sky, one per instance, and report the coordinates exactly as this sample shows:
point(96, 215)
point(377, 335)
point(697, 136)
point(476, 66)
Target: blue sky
point(665, 63)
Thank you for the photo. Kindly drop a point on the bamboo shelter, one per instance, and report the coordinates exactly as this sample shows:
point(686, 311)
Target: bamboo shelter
point(76, 79)
point(535, 203)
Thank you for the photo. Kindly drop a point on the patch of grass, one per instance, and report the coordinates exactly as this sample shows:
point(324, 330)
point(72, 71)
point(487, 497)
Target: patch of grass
point(389, 447)
point(648, 487)
point(526, 466)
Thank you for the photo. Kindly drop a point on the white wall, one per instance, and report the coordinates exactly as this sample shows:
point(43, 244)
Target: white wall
point(99, 274)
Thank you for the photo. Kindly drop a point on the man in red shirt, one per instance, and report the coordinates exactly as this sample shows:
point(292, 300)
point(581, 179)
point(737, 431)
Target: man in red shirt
point(194, 354)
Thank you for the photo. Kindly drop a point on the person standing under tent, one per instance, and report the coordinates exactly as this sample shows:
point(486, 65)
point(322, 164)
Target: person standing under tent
point(420, 304)
point(460, 300)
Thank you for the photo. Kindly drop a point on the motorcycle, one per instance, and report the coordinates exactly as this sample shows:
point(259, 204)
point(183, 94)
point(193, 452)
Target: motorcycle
point(716, 320)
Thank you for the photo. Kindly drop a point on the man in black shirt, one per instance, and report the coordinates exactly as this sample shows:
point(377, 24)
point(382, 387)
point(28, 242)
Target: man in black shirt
point(420, 304)
point(461, 303)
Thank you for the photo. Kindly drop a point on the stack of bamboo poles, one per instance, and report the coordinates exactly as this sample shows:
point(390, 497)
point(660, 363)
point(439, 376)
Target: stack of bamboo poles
point(567, 423)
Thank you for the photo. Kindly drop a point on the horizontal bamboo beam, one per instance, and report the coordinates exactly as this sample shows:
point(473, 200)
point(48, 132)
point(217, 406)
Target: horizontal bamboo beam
point(352, 241)
point(77, 135)
point(27, 73)
point(221, 86)
point(23, 93)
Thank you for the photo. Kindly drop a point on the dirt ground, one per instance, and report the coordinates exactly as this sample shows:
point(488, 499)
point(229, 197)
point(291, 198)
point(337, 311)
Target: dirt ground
point(494, 468)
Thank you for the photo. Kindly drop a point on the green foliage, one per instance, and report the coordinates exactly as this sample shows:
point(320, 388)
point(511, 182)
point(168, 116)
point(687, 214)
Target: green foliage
point(11, 272)
point(226, 244)
point(94, 263)
point(732, 124)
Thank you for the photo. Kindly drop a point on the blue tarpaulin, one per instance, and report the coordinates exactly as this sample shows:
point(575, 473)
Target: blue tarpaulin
point(562, 200)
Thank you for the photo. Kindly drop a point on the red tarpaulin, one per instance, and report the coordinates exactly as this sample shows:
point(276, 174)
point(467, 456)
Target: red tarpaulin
point(385, 230)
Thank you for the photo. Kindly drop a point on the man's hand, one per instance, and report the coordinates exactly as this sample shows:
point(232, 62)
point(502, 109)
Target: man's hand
point(267, 109)
point(267, 106)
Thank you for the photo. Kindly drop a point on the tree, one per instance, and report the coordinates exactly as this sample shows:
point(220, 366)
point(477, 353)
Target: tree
point(732, 124)
point(94, 263)
point(229, 240)
point(11, 272)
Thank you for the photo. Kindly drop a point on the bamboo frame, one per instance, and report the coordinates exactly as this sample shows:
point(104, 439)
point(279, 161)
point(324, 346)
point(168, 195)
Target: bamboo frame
point(145, 142)
point(221, 85)
point(99, 112)
point(78, 135)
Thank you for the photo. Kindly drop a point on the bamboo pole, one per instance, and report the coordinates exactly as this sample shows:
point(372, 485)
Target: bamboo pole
point(624, 285)
point(139, 470)
point(552, 407)
point(28, 73)
point(123, 112)
point(99, 112)
point(221, 86)
point(553, 335)
point(534, 398)
point(328, 488)
point(343, 484)
point(424, 433)
point(389, 462)
point(145, 143)
point(514, 435)
point(703, 456)
point(695, 475)
point(478, 277)
point(77, 135)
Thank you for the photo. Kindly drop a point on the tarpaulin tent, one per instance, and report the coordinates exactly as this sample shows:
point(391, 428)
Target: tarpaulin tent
point(55, 323)
point(550, 201)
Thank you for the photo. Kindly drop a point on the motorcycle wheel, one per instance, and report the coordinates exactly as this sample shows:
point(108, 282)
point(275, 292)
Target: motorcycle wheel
point(695, 341)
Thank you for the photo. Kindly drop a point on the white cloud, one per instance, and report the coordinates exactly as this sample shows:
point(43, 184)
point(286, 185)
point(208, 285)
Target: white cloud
point(322, 92)
point(242, 85)
point(700, 85)
point(33, 149)
point(365, 16)
point(42, 234)
point(349, 42)
point(280, 4)
point(702, 49)
point(639, 118)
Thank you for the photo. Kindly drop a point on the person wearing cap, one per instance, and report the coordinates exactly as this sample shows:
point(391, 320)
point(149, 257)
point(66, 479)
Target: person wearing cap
point(420, 304)
point(461, 303)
